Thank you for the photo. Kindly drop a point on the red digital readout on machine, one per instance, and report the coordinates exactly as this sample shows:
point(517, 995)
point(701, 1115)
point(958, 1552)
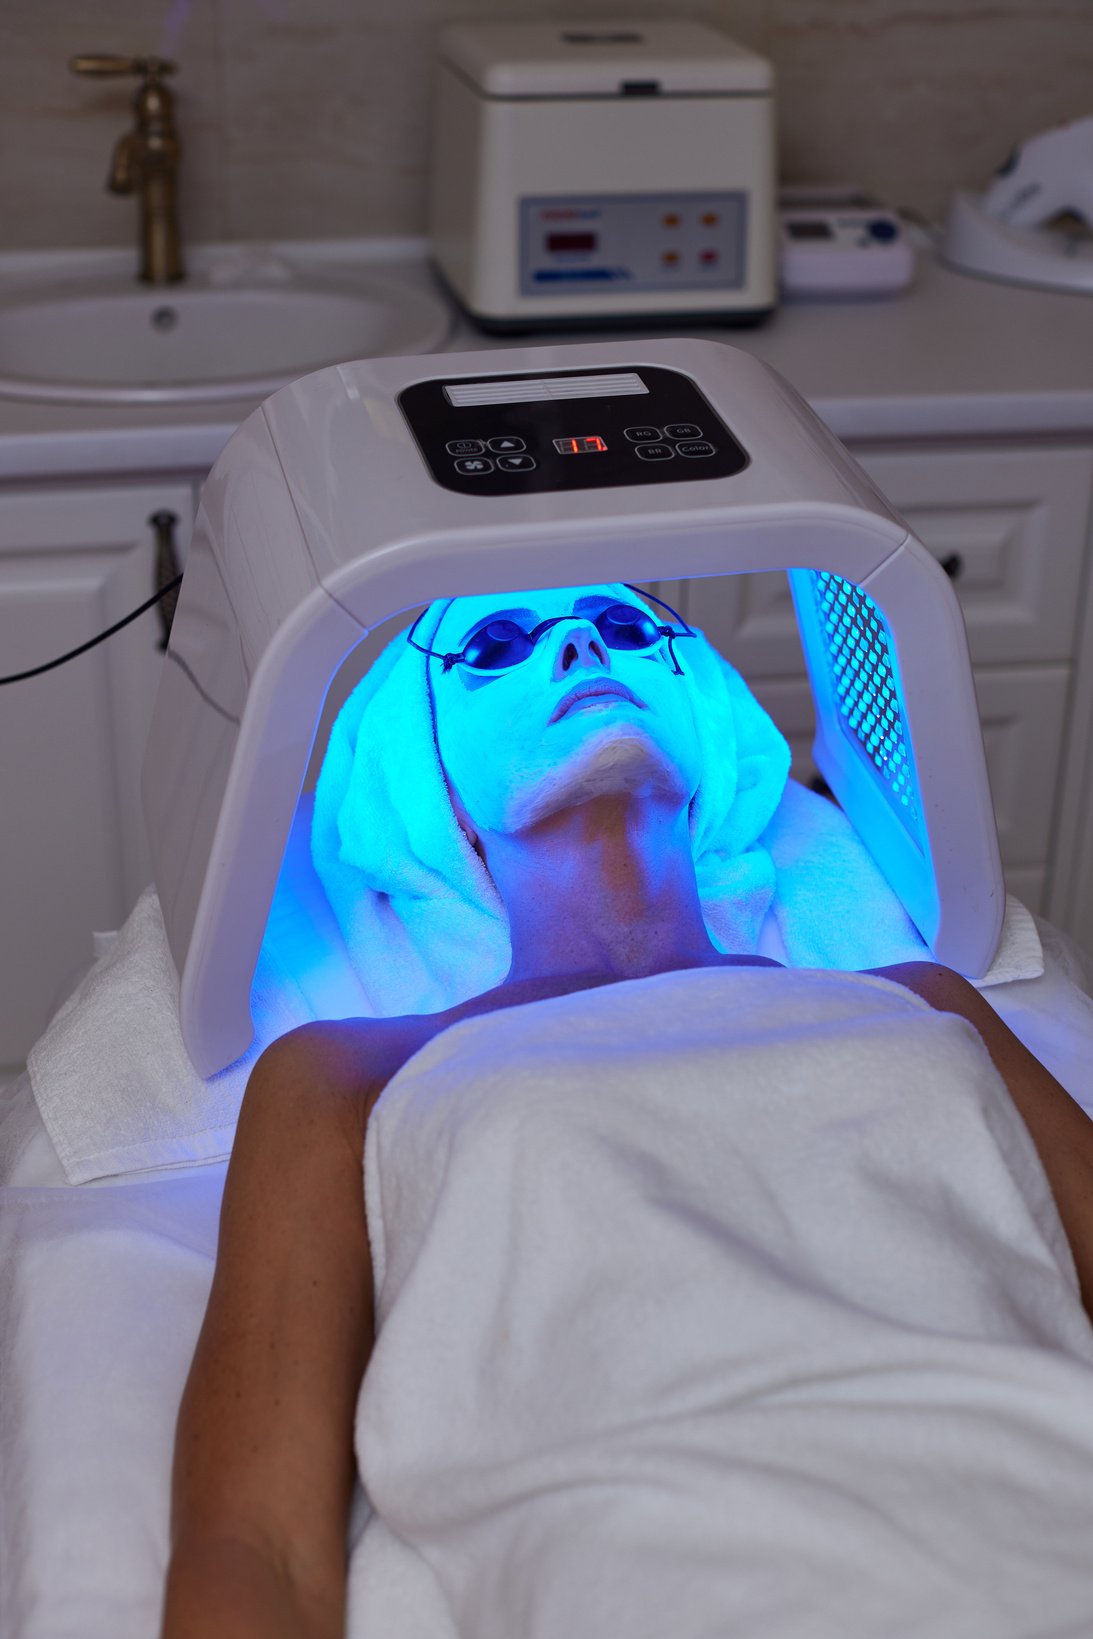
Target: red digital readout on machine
point(571, 241)
point(593, 445)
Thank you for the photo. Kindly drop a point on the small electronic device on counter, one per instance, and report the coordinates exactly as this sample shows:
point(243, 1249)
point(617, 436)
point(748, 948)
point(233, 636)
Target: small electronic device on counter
point(838, 241)
point(591, 172)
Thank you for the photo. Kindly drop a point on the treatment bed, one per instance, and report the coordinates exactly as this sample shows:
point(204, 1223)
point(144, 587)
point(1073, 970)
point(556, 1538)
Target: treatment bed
point(114, 1145)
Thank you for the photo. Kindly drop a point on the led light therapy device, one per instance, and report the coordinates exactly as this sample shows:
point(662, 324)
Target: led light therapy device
point(369, 489)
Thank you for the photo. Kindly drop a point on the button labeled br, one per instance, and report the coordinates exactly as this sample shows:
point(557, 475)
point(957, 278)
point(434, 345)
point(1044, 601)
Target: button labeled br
point(514, 463)
point(655, 452)
point(474, 466)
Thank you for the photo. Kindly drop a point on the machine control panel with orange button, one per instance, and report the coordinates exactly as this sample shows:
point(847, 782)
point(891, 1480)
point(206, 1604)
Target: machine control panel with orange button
point(632, 242)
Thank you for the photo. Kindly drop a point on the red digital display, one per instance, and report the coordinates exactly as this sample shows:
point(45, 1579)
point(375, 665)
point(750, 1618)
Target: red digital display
point(591, 445)
point(572, 241)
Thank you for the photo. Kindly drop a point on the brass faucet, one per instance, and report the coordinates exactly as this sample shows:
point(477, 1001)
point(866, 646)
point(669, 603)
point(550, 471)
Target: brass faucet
point(146, 160)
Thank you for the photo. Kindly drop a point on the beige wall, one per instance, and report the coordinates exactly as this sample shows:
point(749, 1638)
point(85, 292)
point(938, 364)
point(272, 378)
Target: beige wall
point(309, 118)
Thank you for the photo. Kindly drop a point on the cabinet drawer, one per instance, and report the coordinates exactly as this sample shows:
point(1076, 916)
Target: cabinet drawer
point(1022, 714)
point(1011, 521)
point(1012, 524)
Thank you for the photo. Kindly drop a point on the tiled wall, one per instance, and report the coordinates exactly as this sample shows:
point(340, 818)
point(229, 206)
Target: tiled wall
point(310, 118)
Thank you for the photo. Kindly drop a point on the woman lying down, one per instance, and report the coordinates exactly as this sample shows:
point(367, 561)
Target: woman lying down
point(687, 1293)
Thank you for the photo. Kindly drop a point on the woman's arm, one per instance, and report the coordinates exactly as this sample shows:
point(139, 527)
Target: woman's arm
point(263, 1467)
point(1060, 1128)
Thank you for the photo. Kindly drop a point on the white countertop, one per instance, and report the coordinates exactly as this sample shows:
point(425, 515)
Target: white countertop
point(952, 356)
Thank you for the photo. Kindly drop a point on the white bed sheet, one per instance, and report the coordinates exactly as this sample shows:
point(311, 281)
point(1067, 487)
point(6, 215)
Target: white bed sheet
point(102, 1290)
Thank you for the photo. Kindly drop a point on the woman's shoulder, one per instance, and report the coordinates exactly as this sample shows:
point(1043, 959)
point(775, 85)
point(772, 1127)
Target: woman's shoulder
point(347, 1059)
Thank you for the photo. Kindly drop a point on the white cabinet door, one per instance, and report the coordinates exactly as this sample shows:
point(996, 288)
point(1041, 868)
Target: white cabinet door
point(1010, 526)
point(72, 561)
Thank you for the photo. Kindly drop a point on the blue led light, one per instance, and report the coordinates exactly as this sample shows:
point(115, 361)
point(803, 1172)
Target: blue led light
point(865, 686)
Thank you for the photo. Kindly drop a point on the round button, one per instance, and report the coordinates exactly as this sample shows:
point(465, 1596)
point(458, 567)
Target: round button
point(655, 452)
point(698, 447)
point(883, 231)
point(683, 429)
point(474, 466)
point(643, 435)
point(465, 446)
point(515, 463)
point(507, 445)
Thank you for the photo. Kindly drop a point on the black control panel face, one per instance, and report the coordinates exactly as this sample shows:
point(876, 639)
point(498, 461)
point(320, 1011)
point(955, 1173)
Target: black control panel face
point(578, 429)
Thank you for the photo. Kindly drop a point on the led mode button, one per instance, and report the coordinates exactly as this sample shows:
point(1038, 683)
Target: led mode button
point(696, 447)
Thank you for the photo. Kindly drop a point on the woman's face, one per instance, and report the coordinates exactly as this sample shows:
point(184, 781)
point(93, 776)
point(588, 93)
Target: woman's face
point(573, 721)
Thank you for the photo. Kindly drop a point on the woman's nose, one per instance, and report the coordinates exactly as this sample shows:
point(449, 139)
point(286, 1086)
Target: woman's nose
point(579, 644)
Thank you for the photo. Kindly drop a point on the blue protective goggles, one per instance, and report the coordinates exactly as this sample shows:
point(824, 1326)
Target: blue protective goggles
point(498, 645)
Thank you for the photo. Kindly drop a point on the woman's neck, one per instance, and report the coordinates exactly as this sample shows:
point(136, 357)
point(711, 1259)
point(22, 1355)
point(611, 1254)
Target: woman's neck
point(607, 889)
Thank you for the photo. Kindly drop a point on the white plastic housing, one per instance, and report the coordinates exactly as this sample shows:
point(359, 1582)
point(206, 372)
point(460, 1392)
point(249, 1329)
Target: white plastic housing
point(520, 114)
point(320, 520)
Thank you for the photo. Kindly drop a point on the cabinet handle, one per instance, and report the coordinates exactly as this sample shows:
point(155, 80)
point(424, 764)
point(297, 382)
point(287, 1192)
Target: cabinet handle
point(953, 565)
point(166, 569)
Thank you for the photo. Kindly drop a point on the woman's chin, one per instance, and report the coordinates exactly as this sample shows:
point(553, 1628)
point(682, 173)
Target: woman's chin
point(612, 761)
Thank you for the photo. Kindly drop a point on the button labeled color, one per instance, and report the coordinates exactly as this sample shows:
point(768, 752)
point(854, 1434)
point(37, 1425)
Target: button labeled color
point(701, 447)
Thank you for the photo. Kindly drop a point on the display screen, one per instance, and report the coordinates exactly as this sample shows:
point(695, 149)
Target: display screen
point(589, 445)
point(572, 241)
point(532, 390)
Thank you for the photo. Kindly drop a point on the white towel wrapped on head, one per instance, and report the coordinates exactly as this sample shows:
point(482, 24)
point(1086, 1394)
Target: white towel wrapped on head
point(421, 918)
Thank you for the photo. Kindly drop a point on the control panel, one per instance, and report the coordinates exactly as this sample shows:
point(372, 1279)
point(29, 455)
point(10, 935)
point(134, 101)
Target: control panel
point(602, 242)
point(585, 429)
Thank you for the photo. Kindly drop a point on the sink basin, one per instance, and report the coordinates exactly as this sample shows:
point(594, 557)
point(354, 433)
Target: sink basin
point(109, 344)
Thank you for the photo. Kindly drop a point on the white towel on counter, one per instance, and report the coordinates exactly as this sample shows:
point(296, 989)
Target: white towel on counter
point(721, 1303)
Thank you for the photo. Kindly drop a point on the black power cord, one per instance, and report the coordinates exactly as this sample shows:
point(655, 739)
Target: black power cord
point(36, 671)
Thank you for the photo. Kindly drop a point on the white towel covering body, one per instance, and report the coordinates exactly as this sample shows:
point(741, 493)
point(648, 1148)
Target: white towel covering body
point(717, 1304)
